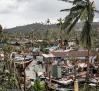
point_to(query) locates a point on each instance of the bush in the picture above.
(46, 51)
(1, 72)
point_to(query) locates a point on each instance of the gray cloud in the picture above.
(5, 11)
(20, 12)
(23, 1)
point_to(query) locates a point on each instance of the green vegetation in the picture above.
(37, 86)
(1, 29)
(9, 78)
(4, 37)
(42, 41)
(90, 88)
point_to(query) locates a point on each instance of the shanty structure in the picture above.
(83, 55)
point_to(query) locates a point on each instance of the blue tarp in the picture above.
(27, 84)
(48, 48)
(22, 59)
(52, 63)
(32, 78)
(86, 57)
(64, 89)
(58, 58)
(36, 49)
(63, 69)
(42, 78)
(54, 47)
(2, 44)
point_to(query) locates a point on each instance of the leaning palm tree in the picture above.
(85, 11)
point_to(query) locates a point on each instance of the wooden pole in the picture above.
(76, 86)
(14, 69)
(24, 74)
(87, 74)
(32, 38)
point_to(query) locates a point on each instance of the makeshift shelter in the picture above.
(32, 67)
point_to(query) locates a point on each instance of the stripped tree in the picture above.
(59, 24)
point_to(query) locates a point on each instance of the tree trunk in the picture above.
(32, 38)
(14, 69)
(32, 44)
(24, 75)
(24, 81)
(10, 65)
(9, 74)
(87, 74)
(75, 72)
(61, 34)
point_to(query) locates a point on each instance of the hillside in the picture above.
(28, 28)
(42, 27)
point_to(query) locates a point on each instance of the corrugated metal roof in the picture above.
(73, 53)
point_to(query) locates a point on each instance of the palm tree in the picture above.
(60, 20)
(85, 11)
(48, 22)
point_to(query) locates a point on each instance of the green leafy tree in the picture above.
(3, 35)
(85, 11)
(7, 51)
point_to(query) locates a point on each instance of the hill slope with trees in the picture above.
(42, 27)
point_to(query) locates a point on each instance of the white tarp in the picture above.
(2, 55)
(82, 65)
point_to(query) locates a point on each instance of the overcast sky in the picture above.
(21, 12)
